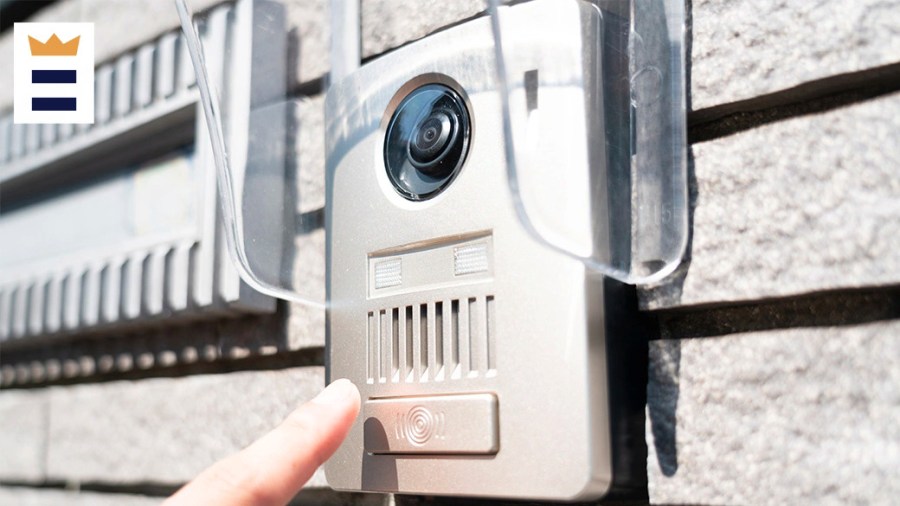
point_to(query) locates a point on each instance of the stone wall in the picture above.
(776, 377)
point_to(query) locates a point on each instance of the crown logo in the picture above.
(53, 46)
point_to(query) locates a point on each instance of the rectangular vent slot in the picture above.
(433, 341)
(395, 343)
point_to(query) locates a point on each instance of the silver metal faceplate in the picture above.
(479, 353)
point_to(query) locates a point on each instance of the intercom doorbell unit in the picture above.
(484, 187)
(480, 353)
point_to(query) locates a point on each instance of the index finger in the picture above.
(274, 468)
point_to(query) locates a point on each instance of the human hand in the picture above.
(273, 469)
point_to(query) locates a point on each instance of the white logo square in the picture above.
(53, 73)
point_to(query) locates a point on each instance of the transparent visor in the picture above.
(584, 100)
(270, 194)
(594, 132)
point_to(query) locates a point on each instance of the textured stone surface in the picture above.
(308, 39)
(21, 496)
(167, 430)
(387, 24)
(783, 417)
(801, 205)
(309, 154)
(23, 433)
(306, 249)
(306, 322)
(746, 48)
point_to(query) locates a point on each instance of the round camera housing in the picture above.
(426, 141)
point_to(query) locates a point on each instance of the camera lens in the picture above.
(430, 141)
(427, 141)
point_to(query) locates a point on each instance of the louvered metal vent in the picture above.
(143, 241)
(433, 341)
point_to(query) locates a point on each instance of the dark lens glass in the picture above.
(427, 141)
(431, 142)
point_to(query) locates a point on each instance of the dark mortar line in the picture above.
(306, 357)
(847, 307)
(161, 490)
(310, 221)
(139, 488)
(805, 99)
(309, 89)
(144, 489)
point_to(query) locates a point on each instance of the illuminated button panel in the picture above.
(440, 424)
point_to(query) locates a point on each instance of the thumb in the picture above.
(273, 469)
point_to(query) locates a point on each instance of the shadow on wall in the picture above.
(665, 359)
(665, 355)
(662, 402)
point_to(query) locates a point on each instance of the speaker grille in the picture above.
(432, 341)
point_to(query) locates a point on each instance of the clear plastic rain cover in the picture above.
(270, 198)
(610, 189)
(628, 180)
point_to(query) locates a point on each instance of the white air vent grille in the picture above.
(143, 240)
(433, 341)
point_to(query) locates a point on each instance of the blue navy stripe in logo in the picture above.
(52, 76)
(53, 104)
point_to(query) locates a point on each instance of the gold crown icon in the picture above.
(53, 46)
